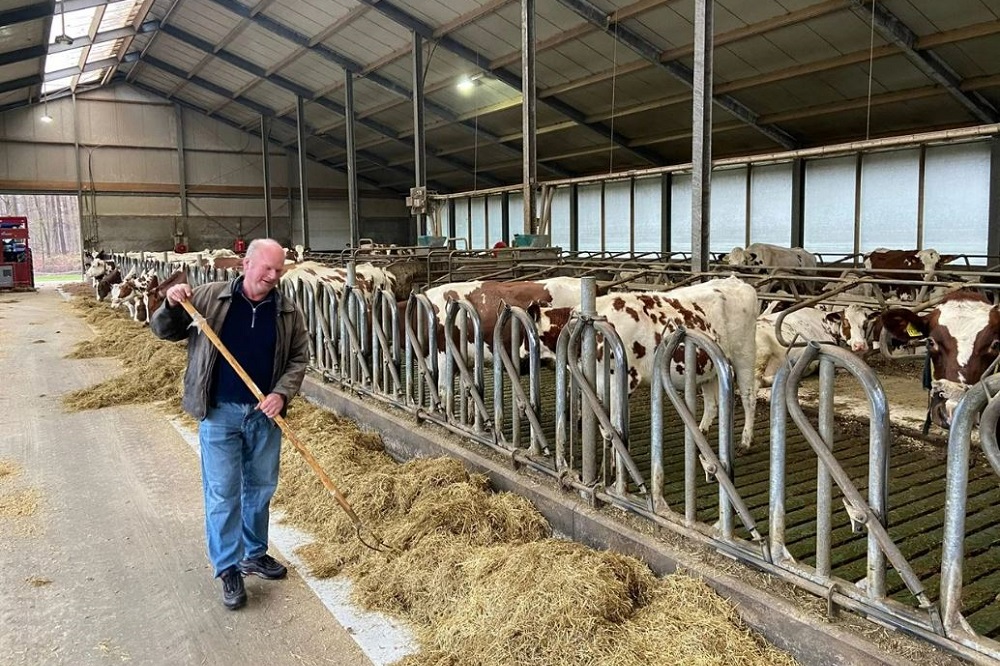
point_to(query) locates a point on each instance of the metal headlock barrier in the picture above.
(437, 366)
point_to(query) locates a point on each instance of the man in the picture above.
(240, 443)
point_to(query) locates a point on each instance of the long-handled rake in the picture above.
(372, 541)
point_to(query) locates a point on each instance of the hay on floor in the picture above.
(8, 469)
(476, 573)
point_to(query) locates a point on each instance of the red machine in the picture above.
(16, 268)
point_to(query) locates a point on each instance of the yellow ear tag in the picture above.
(912, 331)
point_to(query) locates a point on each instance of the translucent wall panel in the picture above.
(560, 218)
(829, 205)
(771, 204)
(617, 214)
(589, 207)
(648, 209)
(890, 193)
(956, 198)
(729, 210)
(680, 213)
(477, 238)
(515, 204)
(463, 227)
(494, 231)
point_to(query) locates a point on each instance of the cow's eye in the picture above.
(931, 344)
(995, 346)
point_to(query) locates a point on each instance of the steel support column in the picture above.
(993, 235)
(419, 142)
(798, 202)
(505, 217)
(574, 218)
(666, 210)
(529, 129)
(180, 229)
(858, 171)
(352, 159)
(701, 137)
(300, 127)
(265, 155)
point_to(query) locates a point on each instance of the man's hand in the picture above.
(178, 293)
(272, 404)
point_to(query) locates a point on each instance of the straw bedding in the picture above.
(476, 573)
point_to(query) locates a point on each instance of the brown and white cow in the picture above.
(912, 265)
(963, 339)
(724, 309)
(488, 298)
(368, 277)
(835, 325)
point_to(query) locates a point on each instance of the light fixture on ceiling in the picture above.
(46, 118)
(63, 38)
(467, 83)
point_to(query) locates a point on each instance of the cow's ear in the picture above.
(753, 256)
(835, 317)
(905, 325)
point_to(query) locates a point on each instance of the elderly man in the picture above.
(240, 443)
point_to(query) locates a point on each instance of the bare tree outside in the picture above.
(53, 226)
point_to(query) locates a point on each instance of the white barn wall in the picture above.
(129, 172)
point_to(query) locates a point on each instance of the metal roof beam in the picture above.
(20, 55)
(291, 86)
(89, 67)
(406, 20)
(928, 62)
(17, 84)
(106, 36)
(681, 72)
(311, 44)
(257, 108)
(27, 13)
(235, 125)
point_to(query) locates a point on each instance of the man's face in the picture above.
(262, 270)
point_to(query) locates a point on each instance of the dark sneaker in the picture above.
(234, 595)
(264, 566)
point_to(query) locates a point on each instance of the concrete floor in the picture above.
(118, 532)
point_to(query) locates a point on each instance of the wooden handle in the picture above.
(207, 331)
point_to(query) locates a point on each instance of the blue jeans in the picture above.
(240, 453)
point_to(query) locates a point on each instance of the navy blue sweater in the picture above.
(249, 332)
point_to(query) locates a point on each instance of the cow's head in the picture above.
(549, 322)
(852, 325)
(740, 257)
(963, 339)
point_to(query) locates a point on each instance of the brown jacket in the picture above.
(291, 348)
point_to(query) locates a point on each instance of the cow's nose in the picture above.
(859, 347)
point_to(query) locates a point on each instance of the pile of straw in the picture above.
(476, 573)
(17, 505)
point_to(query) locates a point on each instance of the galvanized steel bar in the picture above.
(701, 135)
(303, 162)
(588, 354)
(777, 485)
(824, 484)
(504, 365)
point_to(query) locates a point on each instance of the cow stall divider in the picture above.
(716, 465)
(981, 402)
(866, 515)
(584, 444)
(355, 350)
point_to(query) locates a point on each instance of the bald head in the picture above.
(257, 244)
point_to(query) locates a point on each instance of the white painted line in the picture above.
(383, 639)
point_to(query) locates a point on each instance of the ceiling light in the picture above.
(63, 38)
(467, 83)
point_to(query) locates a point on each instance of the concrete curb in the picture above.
(781, 622)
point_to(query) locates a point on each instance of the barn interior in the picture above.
(850, 146)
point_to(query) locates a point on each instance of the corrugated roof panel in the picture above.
(204, 19)
(103, 50)
(438, 12)
(224, 74)
(976, 57)
(57, 61)
(312, 71)
(270, 95)
(119, 14)
(57, 84)
(77, 24)
(369, 38)
(261, 47)
(175, 52)
(309, 17)
(939, 16)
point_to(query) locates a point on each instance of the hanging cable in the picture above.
(614, 75)
(871, 63)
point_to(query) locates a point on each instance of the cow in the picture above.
(822, 323)
(963, 340)
(724, 309)
(488, 298)
(368, 277)
(912, 265)
(762, 257)
(106, 282)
